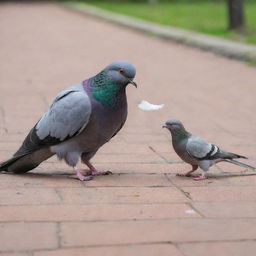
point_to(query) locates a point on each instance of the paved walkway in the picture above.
(143, 209)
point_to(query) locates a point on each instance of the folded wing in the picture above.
(67, 117)
(201, 149)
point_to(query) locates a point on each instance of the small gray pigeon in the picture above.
(198, 152)
(80, 120)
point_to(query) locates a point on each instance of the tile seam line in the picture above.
(187, 195)
(190, 203)
(130, 220)
(125, 203)
(138, 186)
(131, 244)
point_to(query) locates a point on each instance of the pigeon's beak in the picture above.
(164, 126)
(133, 83)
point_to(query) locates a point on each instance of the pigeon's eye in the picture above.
(121, 71)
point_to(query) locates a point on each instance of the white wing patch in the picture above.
(215, 150)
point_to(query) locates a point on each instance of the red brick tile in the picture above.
(171, 157)
(129, 250)
(21, 196)
(183, 167)
(9, 146)
(37, 179)
(243, 248)
(139, 168)
(124, 148)
(133, 180)
(214, 180)
(145, 138)
(22, 127)
(96, 212)
(4, 155)
(127, 158)
(13, 254)
(249, 180)
(164, 146)
(178, 230)
(103, 216)
(2, 129)
(53, 166)
(12, 137)
(227, 209)
(222, 193)
(22, 236)
(228, 167)
(122, 195)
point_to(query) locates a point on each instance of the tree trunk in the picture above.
(236, 14)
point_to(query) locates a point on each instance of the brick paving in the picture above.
(143, 208)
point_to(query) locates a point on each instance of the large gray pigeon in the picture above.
(80, 120)
(198, 152)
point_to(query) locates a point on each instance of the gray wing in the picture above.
(201, 149)
(67, 116)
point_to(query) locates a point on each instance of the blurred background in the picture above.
(230, 19)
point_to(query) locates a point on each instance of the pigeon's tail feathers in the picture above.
(18, 165)
(4, 165)
(238, 156)
(26, 162)
(240, 164)
(228, 155)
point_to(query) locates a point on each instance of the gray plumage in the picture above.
(69, 112)
(80, 120)
(198, 152)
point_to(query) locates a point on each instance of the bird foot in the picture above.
(200, 178)
(98, 172)
(93, 171)
(187, 174)
(82, 177)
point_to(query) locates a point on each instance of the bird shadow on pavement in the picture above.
(67, 175)
(59, 175)
(221, 175)
(33, 175)
(229, 174)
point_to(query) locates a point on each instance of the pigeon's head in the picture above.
(173, 125)
(121, 73)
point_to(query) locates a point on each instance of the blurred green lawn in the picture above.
(205, 16)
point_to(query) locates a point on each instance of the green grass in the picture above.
(205, 16)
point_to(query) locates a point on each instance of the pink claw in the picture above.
(94, 171)
(81, 176)
(200, 178)
(184, 174)
(98, 172)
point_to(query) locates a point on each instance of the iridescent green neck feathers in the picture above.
(104, 90)
(179, 135)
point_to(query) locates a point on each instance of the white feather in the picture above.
(190, 211)
(146, 106)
